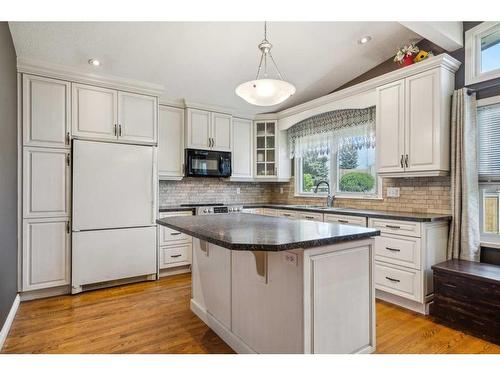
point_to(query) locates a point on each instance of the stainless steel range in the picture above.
(215, 208)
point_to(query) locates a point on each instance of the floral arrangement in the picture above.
(404, 56)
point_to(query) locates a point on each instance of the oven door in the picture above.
(203, 163)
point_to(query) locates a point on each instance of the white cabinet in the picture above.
(358, 221)
(242, 164)
(271, 159)
(46, 175)
(174, 247)
(137, 117)
(208, 130)
(221, 132)
(171, 143)
(105, 114)
(46, 253)
(46, 112)
(94, 112)
(413, 130)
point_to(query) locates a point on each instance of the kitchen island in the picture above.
(275, 285)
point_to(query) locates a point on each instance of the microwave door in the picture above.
(203, 165)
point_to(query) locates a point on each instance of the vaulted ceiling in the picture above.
(204, 61)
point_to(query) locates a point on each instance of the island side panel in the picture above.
(267, 308)
(339, 298)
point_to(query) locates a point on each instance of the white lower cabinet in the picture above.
(270, 212)
(359, 221)
(174, 248)
(404, 254)
(288, 213)
(314, 216)
(46, 253)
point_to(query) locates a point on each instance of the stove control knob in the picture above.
(230, 209)
(238, 209)
(205, 211)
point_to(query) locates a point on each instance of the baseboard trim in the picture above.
(10, 319)
(421, 308)
(45, 293)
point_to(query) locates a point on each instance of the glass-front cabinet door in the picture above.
(266, 149)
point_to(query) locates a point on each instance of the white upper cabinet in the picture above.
(170, 143)
(46, 187)
(104, 114)
(137, 117)
(413, 125)
(390, 127)
(46, 112)
(242, 164)
(221, 132)
(208, 130)
(94, 112)
(46, 253)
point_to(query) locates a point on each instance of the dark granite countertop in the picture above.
(264, 233)
(391, 215)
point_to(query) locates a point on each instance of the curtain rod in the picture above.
(491, 85)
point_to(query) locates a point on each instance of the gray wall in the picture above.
(8, 172)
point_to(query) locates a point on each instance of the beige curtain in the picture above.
(464, 237)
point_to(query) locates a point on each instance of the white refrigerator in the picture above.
(114, 212)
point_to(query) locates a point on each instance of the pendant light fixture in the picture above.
(265, 91)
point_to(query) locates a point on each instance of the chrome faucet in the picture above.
(330, 198)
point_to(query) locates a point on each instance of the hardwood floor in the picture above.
(154, 317)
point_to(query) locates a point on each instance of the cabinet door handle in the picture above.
(175, 233)
(120, 130)
(391, 279)
(401, 161)
(68, 228)
(67, 139)
(114, 129)
(406, 161)
(392, 226)
(175, 256)
(68, 160)
(392, 249)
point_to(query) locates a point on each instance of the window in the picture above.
(482, 52)
(488, 120)
(350, 171)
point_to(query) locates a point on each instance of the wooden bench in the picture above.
(467, 297)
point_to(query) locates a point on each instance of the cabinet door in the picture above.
(198, 129)
(171, 143)
(390, 127)
(137, 117)
(422, 122)
(46, 253)
(221, 132)
(94, 112)
(242, 155)
(46, 112)
(266, 156)
(46, 174)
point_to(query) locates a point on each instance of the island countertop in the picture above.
(264, 233)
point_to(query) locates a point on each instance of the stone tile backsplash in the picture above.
(422, 194)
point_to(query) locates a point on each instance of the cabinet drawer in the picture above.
(289, 214)
(404, 251)
(311, 216)
(359, 221)
(406, 228)
(400, 281)
(171, 256)
(257, 211)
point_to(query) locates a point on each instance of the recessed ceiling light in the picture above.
(364, 39)
(94, 62)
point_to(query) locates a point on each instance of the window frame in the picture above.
(487, 239)
(473, 37)
(333, 177)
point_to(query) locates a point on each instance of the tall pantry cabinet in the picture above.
(46, 175)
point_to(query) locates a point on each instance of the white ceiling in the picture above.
(204, 61)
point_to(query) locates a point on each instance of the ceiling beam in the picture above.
(446, 34)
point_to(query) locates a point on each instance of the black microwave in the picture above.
(205, 163)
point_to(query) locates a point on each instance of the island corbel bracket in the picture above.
(261, 264)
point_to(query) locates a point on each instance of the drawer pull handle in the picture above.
(175, 233)
(175, 256)
(343, 221)
(391, 279)
(392, 249)
(309, 217)
(393, 226)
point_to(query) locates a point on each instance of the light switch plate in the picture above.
(393, 192)
(238, 190)
(290, 258)
(281, 190)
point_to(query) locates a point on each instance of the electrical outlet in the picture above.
(393, 192)
(281, 190)
(290, 258)
(238, 190)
